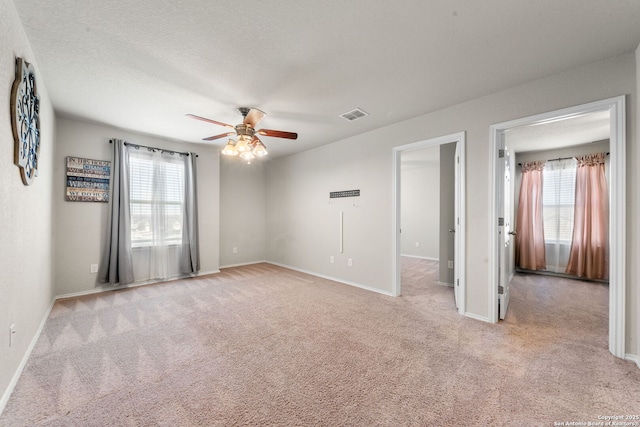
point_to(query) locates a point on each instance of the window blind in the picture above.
(156, 199)
(558, 198)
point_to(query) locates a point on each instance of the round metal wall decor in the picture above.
(25, 106)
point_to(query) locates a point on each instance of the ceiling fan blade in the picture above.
(253, 117)
(204, 119)
(222, 135)
(277, 133)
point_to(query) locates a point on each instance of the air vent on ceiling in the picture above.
(354, 114)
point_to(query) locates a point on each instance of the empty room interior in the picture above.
(319, 213)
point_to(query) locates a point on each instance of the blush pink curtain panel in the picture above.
(530, 251)
(589, 256)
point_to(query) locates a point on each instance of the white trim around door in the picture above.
(617, 209)
(460, 247)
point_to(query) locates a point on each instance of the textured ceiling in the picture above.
(142, 65)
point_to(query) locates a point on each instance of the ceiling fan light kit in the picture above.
(230, 149)
(259, 149)
(243, 145)
(248, 146)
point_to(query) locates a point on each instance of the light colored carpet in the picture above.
(263, 345)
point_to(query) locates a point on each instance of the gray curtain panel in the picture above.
(190, 254)
(115, 264)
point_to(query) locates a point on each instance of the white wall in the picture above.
(26, 236)
(242, 211)
(80, 226)
(302, 230)
(303, 223)
(420, 204)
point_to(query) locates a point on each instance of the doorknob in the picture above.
(513, 232)
(452, 230)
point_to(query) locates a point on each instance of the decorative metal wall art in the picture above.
(25, 106)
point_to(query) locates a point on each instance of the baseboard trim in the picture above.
(420, 257)
(242, 264)
(476, 317)
(97, 290)
(25, 358)
(206, 273)
(633, 358)
(334, 279)
(450, 285)
(108, 288)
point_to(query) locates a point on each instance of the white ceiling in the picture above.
(142, 65)
(559, 133)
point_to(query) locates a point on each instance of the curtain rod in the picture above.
(155, 148)
(559, 158)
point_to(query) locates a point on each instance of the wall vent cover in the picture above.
(355, 114)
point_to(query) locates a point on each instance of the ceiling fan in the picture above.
(248, 145)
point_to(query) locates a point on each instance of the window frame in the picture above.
(564, 198)
(139, 157)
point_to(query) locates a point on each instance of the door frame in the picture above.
(460, 247)
(617, 209)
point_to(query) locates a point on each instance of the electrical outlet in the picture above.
(235, 249)
(350, 262)
(450, 264)
(417, 244)
(332, 259)
(12, 332)
(94, 268)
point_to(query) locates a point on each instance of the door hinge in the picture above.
(500, 290)
(458, 159)
(500, 221)
(458, 282)
(500, 153)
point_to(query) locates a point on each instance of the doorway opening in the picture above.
(554, 148)
(452, 147)
(498, 280)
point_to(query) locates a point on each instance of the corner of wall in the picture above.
(26, 247)
(245, 244)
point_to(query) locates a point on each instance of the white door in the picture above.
(458, 235)
(504, 227)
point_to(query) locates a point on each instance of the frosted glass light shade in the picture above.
(259, 149)
(230, 149)
(243, 144)
(247, 155)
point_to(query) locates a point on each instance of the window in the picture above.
(156, 198)
(558, 198)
